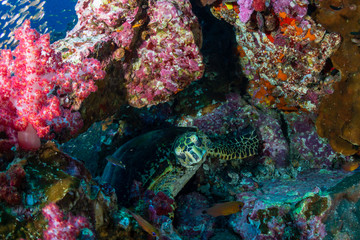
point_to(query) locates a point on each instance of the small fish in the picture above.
(356, 41)
(42, 26)
(12, 8)
(23, 2)
(24, 9)
(38, 15)
(21, 20)
(2, 35)
(12, 20)
(41, 5)
(150, 229)
(224, 209)
(336, 8)
(5, 16)
(229, 6)
(351, 166)
(11, 39)
(6, 24)
(34, 3)
(139, 23)
(115, 161)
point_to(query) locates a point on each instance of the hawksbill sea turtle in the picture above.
(166, 159)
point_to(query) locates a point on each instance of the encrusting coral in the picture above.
(282, 52)
(339, 113)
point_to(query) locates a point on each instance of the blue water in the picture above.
(54, 17)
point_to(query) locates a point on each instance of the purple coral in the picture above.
(228, 117)
(292, 9)
(275, 144)
(311, 229)
(169, 59)
(246, 9)
(235, 115)
(305, 142)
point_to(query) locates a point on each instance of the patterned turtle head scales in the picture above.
(190, 149)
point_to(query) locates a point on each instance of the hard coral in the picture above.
(286, 49)
(339, 114)
(98, 24)
(169, 59)
(285, 209)
(107, 30)
(259, 5)
(10, 182)
(306, 145)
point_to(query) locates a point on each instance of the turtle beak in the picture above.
(195, 155)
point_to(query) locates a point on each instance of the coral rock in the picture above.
(339, 113)
(169, 59)
(283, 64)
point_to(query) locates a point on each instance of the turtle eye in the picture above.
(178, 150)
(193, 138)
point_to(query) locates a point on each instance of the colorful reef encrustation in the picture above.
(179, 119)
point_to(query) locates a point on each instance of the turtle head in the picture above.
(189, 149)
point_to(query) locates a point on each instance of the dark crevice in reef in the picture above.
(223, 72)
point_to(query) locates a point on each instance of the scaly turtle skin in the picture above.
(190, 147)
(147, 159)
(165, 160)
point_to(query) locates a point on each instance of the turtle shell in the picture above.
(148, 159)
(166, 159)
(190, 153)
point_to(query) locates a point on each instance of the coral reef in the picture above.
(300, 208)
(306, 144)
(169, 59)
(10, 184)
(195, 225)
(60, 228)
(339, 112)
(282, 52)
(52, 177)
(345, 205)
(157, 54)
(100, 22)
(281, 210)
(39, 93)
(105, 31)
(175, 170)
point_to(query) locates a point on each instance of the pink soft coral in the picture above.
(39, 90)
(60, 228)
